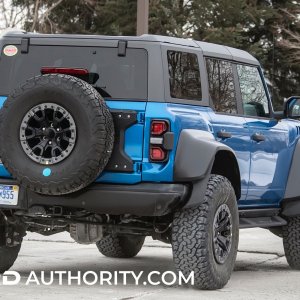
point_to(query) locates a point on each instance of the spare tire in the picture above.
(56, 134)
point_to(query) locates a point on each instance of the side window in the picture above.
(221, 85)
(184, 75)
(255, 101)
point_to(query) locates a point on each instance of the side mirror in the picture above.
(292, 107)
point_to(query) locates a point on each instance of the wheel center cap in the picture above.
(50, 133)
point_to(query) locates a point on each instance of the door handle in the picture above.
(224, 134)
(257, 137)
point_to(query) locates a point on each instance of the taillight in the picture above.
(161, 141)
(157, 154)
(66, 71)
(158, 127)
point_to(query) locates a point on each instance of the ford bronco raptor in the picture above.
(113, 139)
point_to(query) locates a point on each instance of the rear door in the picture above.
(228, 124)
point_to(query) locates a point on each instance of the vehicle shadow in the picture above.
(150, 259)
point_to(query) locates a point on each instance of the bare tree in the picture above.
(11, 16)
(33, 15)
(41, 20)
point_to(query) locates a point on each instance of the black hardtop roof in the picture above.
(209, 49)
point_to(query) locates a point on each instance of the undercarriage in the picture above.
(84, 227)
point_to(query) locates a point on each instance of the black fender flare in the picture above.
(291, 200)
(194, 161)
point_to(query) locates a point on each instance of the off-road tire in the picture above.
(192, 237)
(8, 256)
(120, 246)
(94, 134)
(277, 231)
(291, 242)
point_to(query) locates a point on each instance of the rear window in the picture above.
(119, 77)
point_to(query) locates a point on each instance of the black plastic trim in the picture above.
(193, 144)
(263, 218)
(259, 212)
(119, 160)
(291, 207)
(189, 168)
(2, 234)
(168, 141)
(292, 190)
(122, 46)
(24, 45)
(144, 199)
(262, 222)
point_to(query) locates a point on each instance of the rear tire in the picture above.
(291, 242)
(120, 246)
(197, 232)
(8, 256)
(277, 231)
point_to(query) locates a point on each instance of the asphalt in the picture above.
(261, 271)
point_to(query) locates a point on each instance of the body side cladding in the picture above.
(291, 207)
(293, 187)
(291, 201)
(198, 155)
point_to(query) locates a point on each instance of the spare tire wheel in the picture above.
(56, 134)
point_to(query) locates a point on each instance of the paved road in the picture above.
(261, 271)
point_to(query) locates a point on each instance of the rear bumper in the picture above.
(144, 199)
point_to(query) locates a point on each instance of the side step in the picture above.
(263, 218)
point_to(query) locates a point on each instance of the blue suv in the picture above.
(113, 139)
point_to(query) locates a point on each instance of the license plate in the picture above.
(9, 194)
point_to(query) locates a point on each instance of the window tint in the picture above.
(255, 101)
(184, 75)
(119, 77)
(221, 85)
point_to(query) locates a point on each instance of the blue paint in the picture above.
(264, 167)
(131, 105)
(47, 172)
(2, 100)
(240, 141)
(3, 172)
(120, 178)
(132, 148)
(180, 116)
